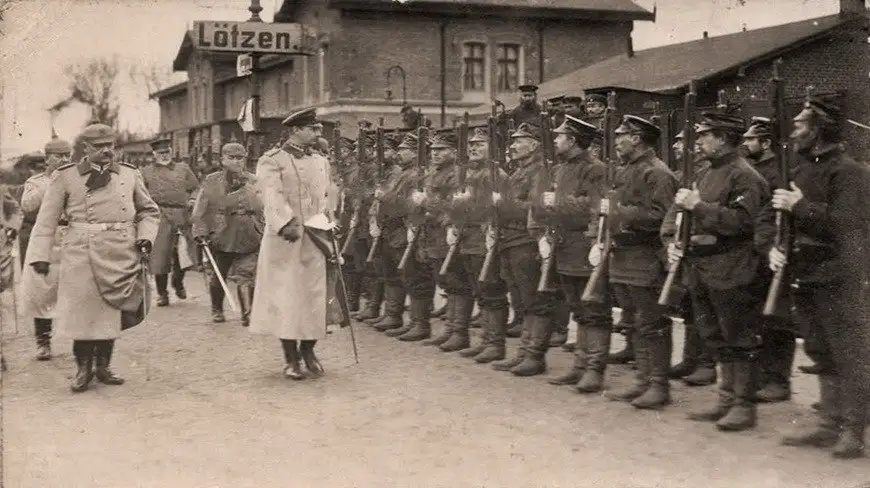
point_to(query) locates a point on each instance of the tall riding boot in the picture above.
(312, 364)
(850, 444)
(517, 325)
(742, 415)
(726, 397)
(373, 304)
(641, 382)
(477, 319)
(449, 317)
(525, 339)
(777, 357)
(626, 355)
(495, 326)
(825, 430)
(597, 345)
(561, 319)
(42, 329)
(441, 312)
(353, 282)
(459, 338)
(692, 344)
(103, 352)
(161, 281)
(246, 298)
(657, 352)
(178, 282)
(472, 351)
(83, 351)
(404, 328)
(216, 293)
(573, 376)
(421, 328)
(535, 363)
(394, 308)
(293, 366)
(705, 373)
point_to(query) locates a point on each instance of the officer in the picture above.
(556, 109)
(40, 300)
(596, 104)
(643, 192)
(112, 222)
(30, 165)
(777, 333)
(228, 218)
(722, 266)
(829, 266)
(173, 186)
(529, 110)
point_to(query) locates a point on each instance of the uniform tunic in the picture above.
(290, 297)
(172, 186)
(11, 218)
(99, 266)
(393, 209)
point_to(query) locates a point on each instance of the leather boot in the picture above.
(515, 327)
(293, 366)
(42, 328)
(476, 321)
(246, 298)
(473, 351)
(495, 326)
(561, 319)
(312, 364)
(597, 345)
(534, 362)
(742, 415)
(420, 326)
(657, 356)
(855, 411)
(394, 308)
(216, 294)
(353, 284)
(626, 322)
(705, 374)
(726, 398)
(626, 355)
(825, 430)
(83, 351)
(440, 312)
(641, 382)
(575, 374)
(103, 352)
(508, 364)
(161, 281)
(463, 307)
(373, 305)
(777, 357)
(448, 319)
(692, 344)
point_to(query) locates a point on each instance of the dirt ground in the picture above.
(205, 405)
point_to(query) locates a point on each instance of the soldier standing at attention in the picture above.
(529, 110)
(112, 221)
(172, 185)
(41, 298)
(228, 217)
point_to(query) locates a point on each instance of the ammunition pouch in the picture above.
(629, 238)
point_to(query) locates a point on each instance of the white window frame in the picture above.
(480, 96)
(521, 65)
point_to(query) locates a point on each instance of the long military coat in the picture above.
(290, 297)
(10, 218)
(172, 187)
(100, 267)
(40, 292)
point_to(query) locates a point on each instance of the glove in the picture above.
(594, 256)
(776, 259)
(452, 236)
(496, 198)
(374, 228)
(674, 253)
(491, 236)
(410, 234)
(292, 232)
(143, 245)
(549, 199)
(604, 206)
(418, 197)
(545, 247)
(462, 196)
(41, 267)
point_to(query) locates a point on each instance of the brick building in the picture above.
(830, 54)
(454, 55)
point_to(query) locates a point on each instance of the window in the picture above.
(474, 66)
(508, 59)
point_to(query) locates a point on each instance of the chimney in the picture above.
(744, 27)
(852, 7)
(706, 35)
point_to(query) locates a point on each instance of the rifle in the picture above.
(497, 160)
(461, 171)
(422, 154)
(375, 209)
(360, 162)
(548, 151)
(684, 217)
(784, 239)
(595, 290)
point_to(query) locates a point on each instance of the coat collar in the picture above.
(646, 155)
(296, 151)
(84, 166)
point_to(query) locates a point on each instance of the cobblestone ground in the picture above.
(205, 405)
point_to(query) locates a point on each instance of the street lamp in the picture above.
(388, 91)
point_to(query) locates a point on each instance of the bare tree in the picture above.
(93, 83)
(153, 78)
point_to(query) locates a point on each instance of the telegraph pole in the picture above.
(254, 81)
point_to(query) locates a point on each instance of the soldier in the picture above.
(777, 332)
(529, 110)
(112, 221)
(40, 300)
(228, 218)
(643, 192)
(291, 293)
(722, 266)
(556, 109)
(173, 186)
(596, 104)
(828, 265)
(518, 254)
(31, 164)
(579, 184)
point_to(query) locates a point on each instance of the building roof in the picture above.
(615, 10)
(169, 90)
(671, 67)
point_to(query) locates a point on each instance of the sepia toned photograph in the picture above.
(434, 243)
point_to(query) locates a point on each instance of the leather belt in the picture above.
(101, 225)
(171, 205)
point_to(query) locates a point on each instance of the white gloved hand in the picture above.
(674, 253)
(549, 199)
(545, 247)
(595, 254)
(496, 198)
(418, 197)
(776, 259)
(604, 207)
(491, 236)
(452, 236)
(410, 234)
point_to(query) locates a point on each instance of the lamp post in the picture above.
(255, 10)
(388, 92)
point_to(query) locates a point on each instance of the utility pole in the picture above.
(254, 81)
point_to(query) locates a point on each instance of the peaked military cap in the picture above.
(480, 134)
(558, 100)
(234, 149)
(596, 97)
(824, 109)
(759, 127)
(528, 88)
(719, 121)
(572, 100)
(527, 130)
(98, 134)
(444, 139)
(57, 146)
(576, 127)
(302, 118)
(410, 141)
(632, 124)
(160, 144)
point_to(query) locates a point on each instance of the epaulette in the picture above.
(273, 152)
(129, 165)
(66, 166)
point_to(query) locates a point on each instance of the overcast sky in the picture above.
(40, 36)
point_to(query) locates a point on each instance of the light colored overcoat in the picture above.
(39, 293)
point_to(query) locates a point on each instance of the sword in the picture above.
(146, 305)
(345, 312)
(14, 265)
(220, 278)
(858, 124)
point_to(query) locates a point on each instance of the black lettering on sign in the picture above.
(265, 40)
(282, 41)
(234, 32)
(202, 40)
(221, 38)
(248, 37)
